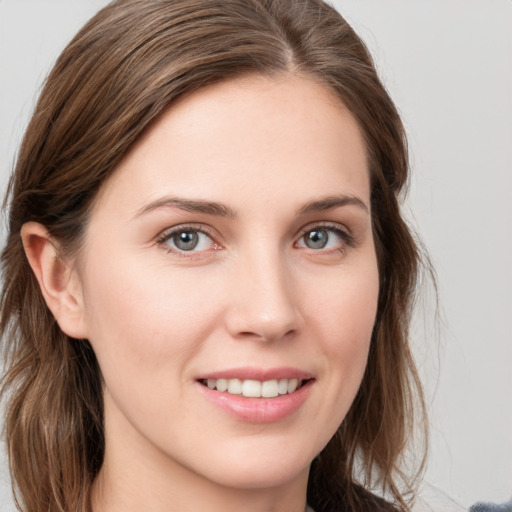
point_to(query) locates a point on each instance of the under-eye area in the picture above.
(251, 388)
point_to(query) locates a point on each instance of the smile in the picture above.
(251, 388)
(257, 396)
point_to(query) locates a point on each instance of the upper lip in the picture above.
(261, 374)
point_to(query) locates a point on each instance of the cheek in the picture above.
(346, 309)
(344, 316)
(141, 317)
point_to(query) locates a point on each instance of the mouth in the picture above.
(257, 395)
(250, 388)
(257, 401)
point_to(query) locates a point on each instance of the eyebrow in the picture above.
(222, 210)
(189, 205)
(328, 203)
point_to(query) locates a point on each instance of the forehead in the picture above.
(266, 135)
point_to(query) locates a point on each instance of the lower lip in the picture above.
(258, 410)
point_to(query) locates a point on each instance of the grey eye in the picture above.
(185, 240)
(316, 238)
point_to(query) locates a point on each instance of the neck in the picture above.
(139, 487)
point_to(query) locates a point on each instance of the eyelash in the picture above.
(163, 239)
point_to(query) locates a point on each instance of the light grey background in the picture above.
(448, 65)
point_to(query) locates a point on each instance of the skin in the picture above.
(251, 294)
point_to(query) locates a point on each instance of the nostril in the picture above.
(267, 335)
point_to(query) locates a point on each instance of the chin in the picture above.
(252, 476)
(261, 467)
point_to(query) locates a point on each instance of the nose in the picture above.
(263, 304)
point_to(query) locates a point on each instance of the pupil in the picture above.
(186, 240)
(317, 239)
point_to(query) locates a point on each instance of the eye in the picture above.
(187, 239)
(324, 237)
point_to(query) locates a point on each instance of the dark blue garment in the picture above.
(491, 507)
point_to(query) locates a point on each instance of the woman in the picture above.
(207, 279)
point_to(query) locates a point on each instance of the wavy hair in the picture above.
(121, 71)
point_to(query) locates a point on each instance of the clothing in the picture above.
(492, 507)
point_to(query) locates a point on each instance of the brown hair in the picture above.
(121, 71)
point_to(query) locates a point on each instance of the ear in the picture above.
(58, 281)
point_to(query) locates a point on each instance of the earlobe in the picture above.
(58, 282)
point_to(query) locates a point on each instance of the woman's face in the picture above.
(233, 248)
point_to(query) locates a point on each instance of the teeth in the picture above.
(251, 388)
(234, 386)
(255, 388)
(292, 385)
(222, 385)
(282, 387)
(269, 389)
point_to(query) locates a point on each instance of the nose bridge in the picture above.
(263, 304)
